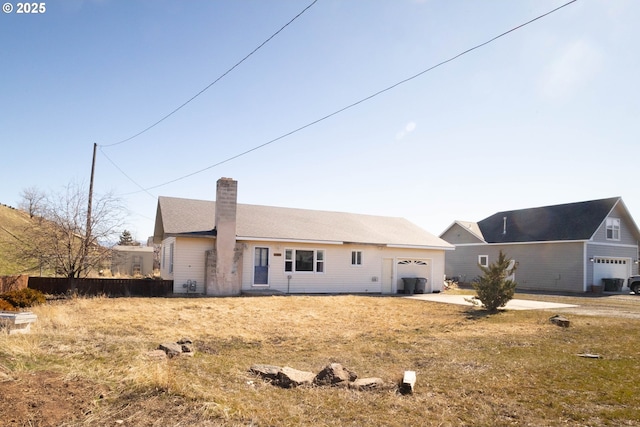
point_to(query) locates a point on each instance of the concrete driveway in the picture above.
(514, 304)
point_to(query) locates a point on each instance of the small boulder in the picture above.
(172, 349)
(289, 378)
(187, 346)
(560, 321)
(268, 372)
(335, 375)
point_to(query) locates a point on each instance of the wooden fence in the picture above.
(107, 287)
(13, 283)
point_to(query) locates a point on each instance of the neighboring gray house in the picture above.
(565, 247)
(225, 248)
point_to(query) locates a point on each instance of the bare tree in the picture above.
(61, 240)
(32, 200)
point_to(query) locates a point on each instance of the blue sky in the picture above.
(545, 115)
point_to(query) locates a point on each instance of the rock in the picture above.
(289, 377)
(590, 356)
(187, 346)
(367, 384)
(172, 349)
(560, 321)
(268, 372)
(334, 374)
(284, 377)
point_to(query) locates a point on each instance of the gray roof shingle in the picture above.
(176, 216)
(571, 221)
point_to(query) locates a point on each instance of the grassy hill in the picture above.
(13, 225)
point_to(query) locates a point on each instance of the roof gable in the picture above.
(571, 221)
(177, 216)
(461, 232)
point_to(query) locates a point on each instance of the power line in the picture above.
(380, 92)
(127, 176)
(213, 82)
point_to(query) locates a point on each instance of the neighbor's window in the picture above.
(304, 260)
(356, 257)
(613, 229)
(483, 260)
(171, 258)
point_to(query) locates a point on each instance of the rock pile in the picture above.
(333, 375)
(183, 347)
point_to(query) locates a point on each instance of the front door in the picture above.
(261, 266)
(387, 276)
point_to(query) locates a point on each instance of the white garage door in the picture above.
(414, 268)
(614, 268)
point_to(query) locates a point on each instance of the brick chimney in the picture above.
(224, 263)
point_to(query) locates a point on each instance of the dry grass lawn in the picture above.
(513, 368)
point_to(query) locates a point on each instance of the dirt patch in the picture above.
(45, 399)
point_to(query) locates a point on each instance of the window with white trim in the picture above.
(171, 258)
(304, 260)
(613, 229)
(483, 260)
(356, 257)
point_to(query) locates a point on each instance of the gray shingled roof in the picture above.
(176, 216)
(571, 221)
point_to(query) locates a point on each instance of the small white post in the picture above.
(409, 381)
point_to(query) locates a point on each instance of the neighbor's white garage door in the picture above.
(615, 268)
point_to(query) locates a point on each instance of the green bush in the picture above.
(23, 298)
(494, 289)
(6, 306)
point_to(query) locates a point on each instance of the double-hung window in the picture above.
(304, 260)
(356, 257)
(613, 229)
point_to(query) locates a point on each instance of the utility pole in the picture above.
(87, 239)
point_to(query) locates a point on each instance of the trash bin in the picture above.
(619, 284)
(409, 285)
(421, 285)
(609, 285)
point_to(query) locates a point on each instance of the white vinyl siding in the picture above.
(339, 276)
(189, 262)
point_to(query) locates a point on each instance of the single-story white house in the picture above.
(222, 248)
